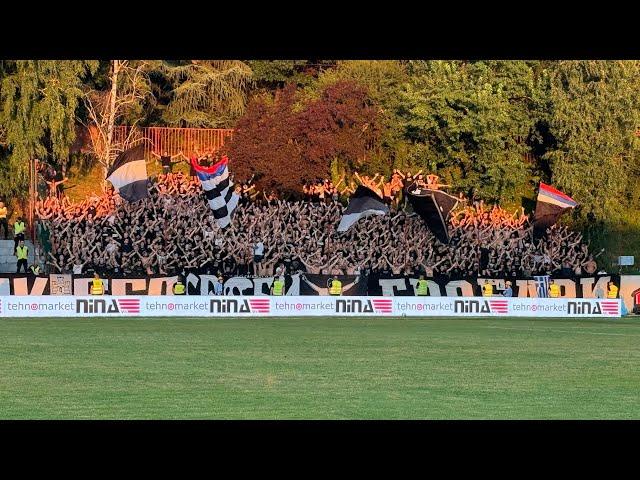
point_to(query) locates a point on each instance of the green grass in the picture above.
(297, 368)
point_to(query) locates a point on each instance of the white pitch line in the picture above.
(566, 331)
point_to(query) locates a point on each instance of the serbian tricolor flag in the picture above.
(218, 189)
(128, 174)
(550, 205)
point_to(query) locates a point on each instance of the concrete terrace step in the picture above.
(8, 261)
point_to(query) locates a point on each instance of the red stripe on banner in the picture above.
(212, 168)
(548, 188)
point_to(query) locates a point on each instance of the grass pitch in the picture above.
(323, 368)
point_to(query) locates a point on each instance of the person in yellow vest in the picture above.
(18, 232)
(277, 288)
(179, 288)
(487, 289)
(612, 290)
(34, 269)
(422, 288)
(336, 287)
(3, 219)
(22, 252)
(554, 290)
(97, 285)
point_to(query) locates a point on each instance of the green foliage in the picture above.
(38, 102)
(206, 93)
(383, 80)
(593, 113)
(272, 74)
(470, 120)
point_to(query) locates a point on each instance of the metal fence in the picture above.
(174, 140)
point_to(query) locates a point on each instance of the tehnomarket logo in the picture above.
(378, 305)
(480, 306)
(99, 305)
(231, 305)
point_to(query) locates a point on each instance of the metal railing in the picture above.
(174, 140)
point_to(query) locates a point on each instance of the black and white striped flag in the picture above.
(218, 189)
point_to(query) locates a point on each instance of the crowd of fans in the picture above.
(173, 231)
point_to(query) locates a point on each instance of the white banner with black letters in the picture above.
(303, 306)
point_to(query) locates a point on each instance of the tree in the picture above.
(277, 133)
(128, 86)
(469, 121)
(269, 75)
(383, 81)
(39, 99)
(206, 93)
(593, 112)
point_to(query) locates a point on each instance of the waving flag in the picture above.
(363, 202)
(218, 189)
(128, 174)
(550, 205)
(434, 206)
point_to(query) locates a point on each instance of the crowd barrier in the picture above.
(303, 306)
(304, 284)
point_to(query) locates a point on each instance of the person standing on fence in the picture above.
(3, 220)
(22, 252)
(166, 160)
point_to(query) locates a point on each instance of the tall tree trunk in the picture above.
(112, 117)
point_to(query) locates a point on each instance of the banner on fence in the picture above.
(302, 306)
(314, 285)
